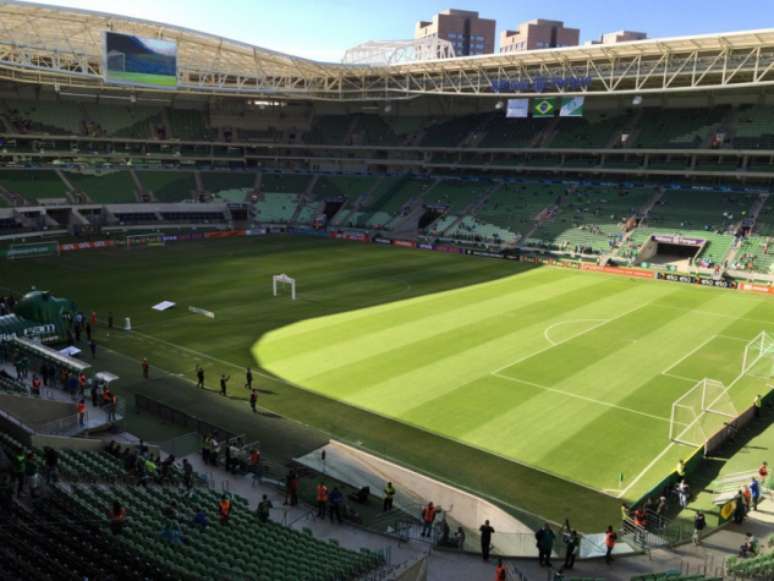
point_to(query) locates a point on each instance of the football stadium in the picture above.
(268, 317)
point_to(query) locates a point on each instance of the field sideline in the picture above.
(570, 374)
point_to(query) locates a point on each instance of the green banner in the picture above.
(572, 107)
(543, 108)
(32, 249)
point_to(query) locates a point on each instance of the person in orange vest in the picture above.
(145, 368)
(36, 385)
(500, 573)
(82, 380)
(322, 499)
(610, 539)
(94, 319)
(107, 396)
(428, 516)
(117, 517)
(81, 408)
(224, 509)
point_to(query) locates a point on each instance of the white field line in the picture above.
(583, 397)
(671, 444)
(691, 379)
(589, 330)
(547, 335)
(687, 355)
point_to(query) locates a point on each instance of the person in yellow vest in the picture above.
(680, 469)
(758, 404)
(389, 495)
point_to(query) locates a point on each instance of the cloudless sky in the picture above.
(324, 29)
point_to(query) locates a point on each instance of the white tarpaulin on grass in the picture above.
(70, 351)
(163, 306)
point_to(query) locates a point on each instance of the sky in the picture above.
(324, 29)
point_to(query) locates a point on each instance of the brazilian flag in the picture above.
(543, 108)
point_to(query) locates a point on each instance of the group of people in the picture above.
(223, 383)
(330, 502)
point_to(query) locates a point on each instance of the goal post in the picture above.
(144, 240)
(700, 413)
(757, 359)
(283, 279)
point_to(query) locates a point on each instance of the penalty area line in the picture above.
(582, 397)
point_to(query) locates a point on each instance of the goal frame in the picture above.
(705, 407)
(144, 240)
(764, 343)
(283, 279)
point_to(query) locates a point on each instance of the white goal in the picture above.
(279, 279)
(144, 240)
(700, 413)
(758, 360)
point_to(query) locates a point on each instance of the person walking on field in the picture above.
(200, 377)
(253, 400)
(145, 368)
(486, 531)
(249, 379)
(223, 384)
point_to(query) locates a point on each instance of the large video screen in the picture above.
(136, 60)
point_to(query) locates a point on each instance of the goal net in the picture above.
(758, 357)
(32, 250)
(278, 280)
(700, 413)
(144, 240)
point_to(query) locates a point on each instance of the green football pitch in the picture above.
(539, 377)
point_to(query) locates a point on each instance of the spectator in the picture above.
(750, 546)
(500, 573)
(610, 539)
(428, 516)
(682, 493)
(486, 531)
(699, 524)
(31, 473)
(117, 517)
(322, 499)
(747, 495)
(335, 504)
(200, 519)
(224, 509)
(50, 462)
(264, 507)
(81, 409)
(459, 538)
(291, 488)
(755, 493)
(389, 495)
(187, 475)
(545, 542)
(572, 546)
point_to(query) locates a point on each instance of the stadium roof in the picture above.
(64, 48)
